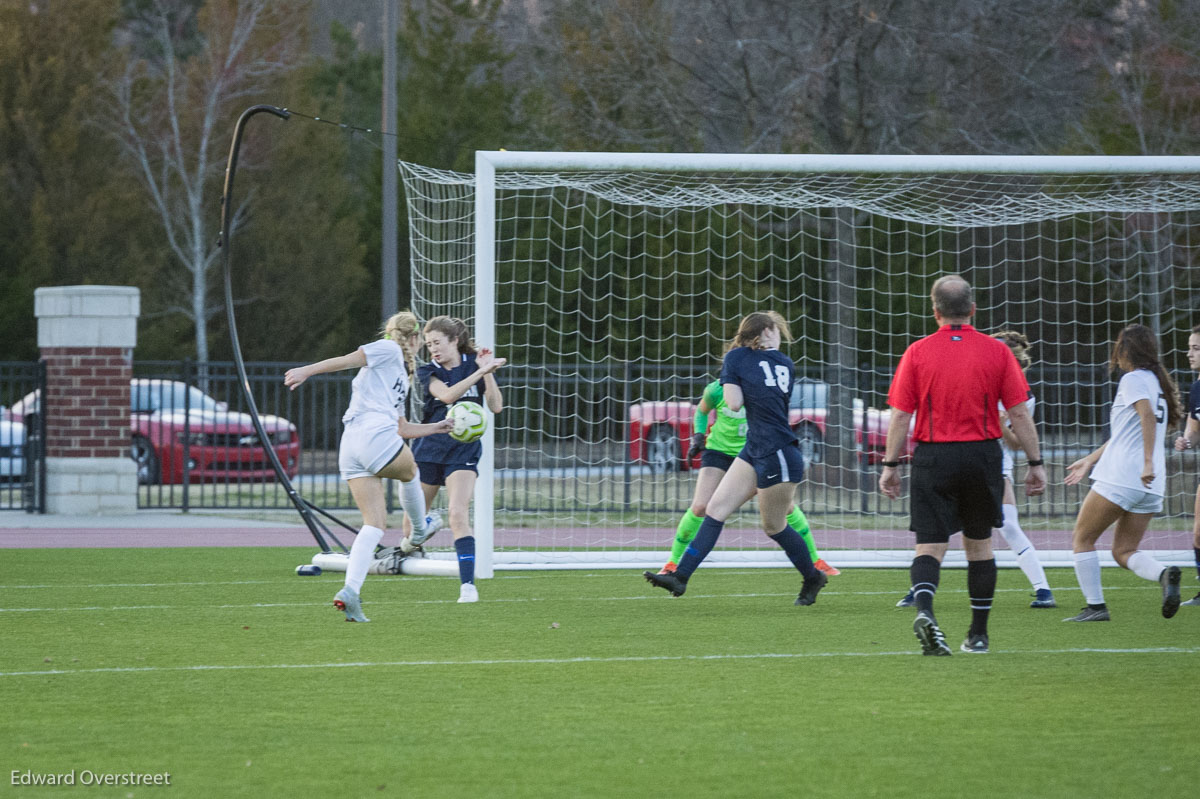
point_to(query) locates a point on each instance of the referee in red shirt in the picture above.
(953, 380)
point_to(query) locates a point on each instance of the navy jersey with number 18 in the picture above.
(765, 377)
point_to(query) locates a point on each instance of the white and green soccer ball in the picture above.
(469, 421)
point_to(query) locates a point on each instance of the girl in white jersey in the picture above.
(372, 445)
(1129, 474)
(1010, 531)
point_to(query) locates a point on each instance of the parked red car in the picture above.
(661, 432)
(172, 423)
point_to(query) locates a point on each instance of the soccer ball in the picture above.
(469, 421)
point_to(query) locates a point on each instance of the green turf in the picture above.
(576, 684)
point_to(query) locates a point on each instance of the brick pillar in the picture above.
(86, 335)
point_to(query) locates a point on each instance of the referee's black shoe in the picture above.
(811, 587)
(933, 642)
(669, 581)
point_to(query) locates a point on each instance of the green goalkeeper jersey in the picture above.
(728, 432)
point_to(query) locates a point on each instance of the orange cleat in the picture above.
(669, 568)
(825, 567)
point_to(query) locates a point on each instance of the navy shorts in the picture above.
(784, 465)
(956, 485)
(435, 474)
(711, 459)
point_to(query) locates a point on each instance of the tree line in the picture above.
(117, 116)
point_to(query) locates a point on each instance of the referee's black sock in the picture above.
(981, 586)
(924, 574)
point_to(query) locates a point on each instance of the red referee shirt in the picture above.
(952, 381)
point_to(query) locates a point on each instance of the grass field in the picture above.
(238, 678)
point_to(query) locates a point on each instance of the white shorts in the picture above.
(1007, 461)
(369, 443)
(1133, 500)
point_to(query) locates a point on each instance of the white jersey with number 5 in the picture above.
(382, 385)
(1121, 462)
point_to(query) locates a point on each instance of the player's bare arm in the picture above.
(1080, 468)
(354, 360)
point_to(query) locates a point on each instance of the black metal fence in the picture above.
(22, 437)
(562, 445)
(196, 445)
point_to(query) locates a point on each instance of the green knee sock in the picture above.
(684, 533)
(799, 523)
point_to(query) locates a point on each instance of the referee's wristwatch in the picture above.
(890, 464)
(1038, 462)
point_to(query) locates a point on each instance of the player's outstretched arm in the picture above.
(1080, 468)
(410, 430)
(296, 376)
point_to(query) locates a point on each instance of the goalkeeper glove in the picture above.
(697, 446)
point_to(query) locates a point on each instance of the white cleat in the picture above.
(433, 523)
(348, 601)
(468, 593)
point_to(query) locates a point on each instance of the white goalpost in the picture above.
(611, 282)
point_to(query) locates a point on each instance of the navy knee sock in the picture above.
(981, 586)
(797, 551)
(924, 574)
(698, 549)
(1197, 551)
(465, 547)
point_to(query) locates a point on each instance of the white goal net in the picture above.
(612, 282)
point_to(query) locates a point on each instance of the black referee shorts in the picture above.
(957, 485)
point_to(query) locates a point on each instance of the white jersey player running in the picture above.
(1128, 475)
(1010, 530)
(373, 447)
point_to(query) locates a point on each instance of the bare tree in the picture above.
(172, 108)
(1146, 101)
(822, 76)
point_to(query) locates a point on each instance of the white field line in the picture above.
(575, 660)
(657, 596)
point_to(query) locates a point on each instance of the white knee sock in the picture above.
(362, 552)
(1087, 572)
(412, 499)
(1022, 547)
(1144, 565)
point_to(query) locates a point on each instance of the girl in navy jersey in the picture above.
(757, 376)
(1129, 475)
(457, 373)
(372, 445)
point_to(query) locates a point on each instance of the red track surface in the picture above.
(231, 535)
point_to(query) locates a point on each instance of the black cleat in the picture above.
(1170, 586)
(933, 642)
(670, 582)
(1090, 613)
(811, 587)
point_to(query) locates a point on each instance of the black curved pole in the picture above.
(304, 507)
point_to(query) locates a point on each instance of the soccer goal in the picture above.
(612, 282)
